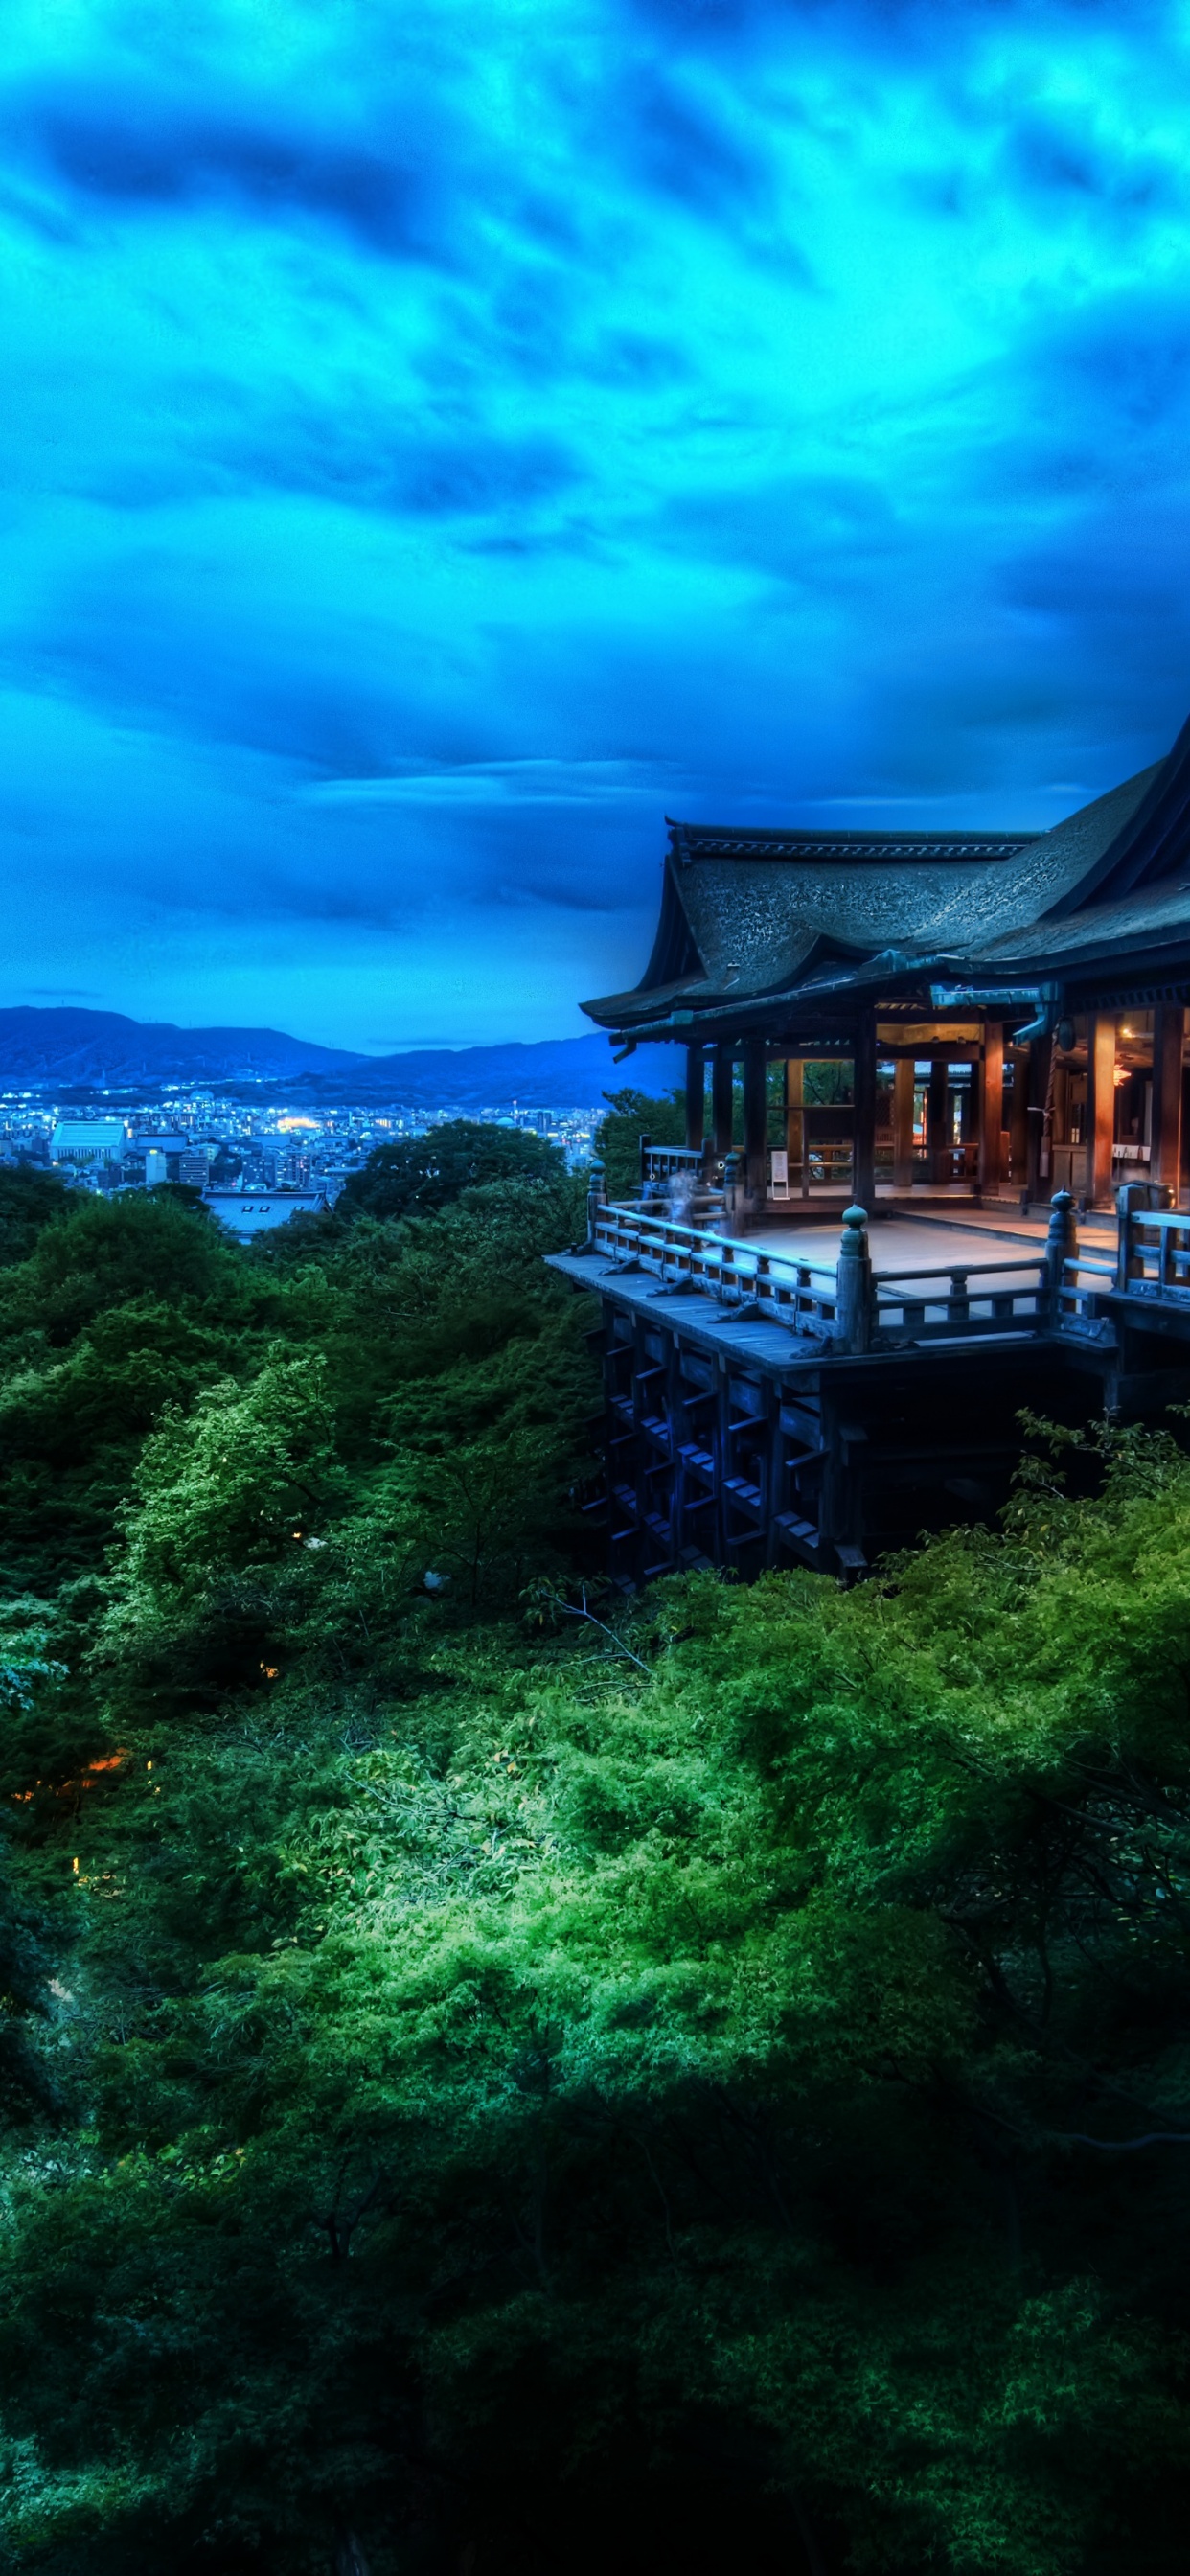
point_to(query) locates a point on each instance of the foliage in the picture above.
(29, 1200)
(631, 1115)
(419, 1174)
(828, 1083)
(531, 2080)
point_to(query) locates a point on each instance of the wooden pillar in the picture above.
(1165, 1164)
(795, 1085)
(695, 1099)
(1018, 1143)
(756, 1118)
(1101, 1106)
(1060, 1119)
(723, 1098)
(904, 1078)
(1041, 1155)
(936, 1131)
(863, 1152)
(990, 1075)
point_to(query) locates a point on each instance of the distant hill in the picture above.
(75, 1048)
(72, 1046)
(554, 1073)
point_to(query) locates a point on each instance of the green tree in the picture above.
(629, 1116)
(529, 2079)
(418, 1174)
(29, 1200)
(709, 2056)
(101, 1252)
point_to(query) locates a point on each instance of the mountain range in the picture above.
(73, 1049)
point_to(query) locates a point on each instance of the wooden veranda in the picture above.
(818, 1393)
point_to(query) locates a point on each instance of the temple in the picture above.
(1009, 1007)
(934, 1170)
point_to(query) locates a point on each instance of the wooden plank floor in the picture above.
(910, 1244)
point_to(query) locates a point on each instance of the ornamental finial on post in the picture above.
(853, 1283)
(1061, 1242)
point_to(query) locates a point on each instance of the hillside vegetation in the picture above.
(500, 2080)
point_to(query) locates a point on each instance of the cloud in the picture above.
(680, 145)
(494, 783)
(151, 153)
(435, 445)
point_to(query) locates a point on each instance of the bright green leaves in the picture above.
(245, 1478)
(620, 2032)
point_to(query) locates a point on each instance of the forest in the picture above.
(504, 2079)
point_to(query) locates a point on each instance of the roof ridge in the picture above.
(808, 841)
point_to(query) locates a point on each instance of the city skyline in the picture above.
(429, 461)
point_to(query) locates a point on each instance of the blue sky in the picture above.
(437, 441)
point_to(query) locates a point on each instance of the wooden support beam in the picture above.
(1018, 1142)
(723, 1097)
(1060, 1117)
(756, 1118)
(991, 1107)
(795, 1089)
(1040, 1111)
(904, 1076)
(863, 1165)
(695, 1099)
(937, 1132)
(1169, 1026)
(1101, 1106)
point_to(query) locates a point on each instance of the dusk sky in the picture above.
(438, 441)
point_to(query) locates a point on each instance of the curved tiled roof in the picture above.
(693, 841)
(748, 912)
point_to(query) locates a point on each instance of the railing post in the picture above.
(853, 1283)
(1128, 1197)
(596, 1196)
(645, 1174)
(1061, 1246)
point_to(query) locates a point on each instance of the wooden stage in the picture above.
(817, 1391)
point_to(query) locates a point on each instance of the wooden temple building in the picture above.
(982, 1039)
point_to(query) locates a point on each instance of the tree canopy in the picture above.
(418, 1174)
(499, 2077)
(629, 1116)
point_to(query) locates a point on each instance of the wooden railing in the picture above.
(1154, 1254)
(668, 1162)
(1082, 1285)
(976, 1297)
(763, 1287)
(851, 1308)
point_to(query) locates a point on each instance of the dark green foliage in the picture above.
(829, 1085)
(101, 1252)
(29, 1200)
(541, 2083)
(631, 1115)
(183, 1194)
(422, 1173)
